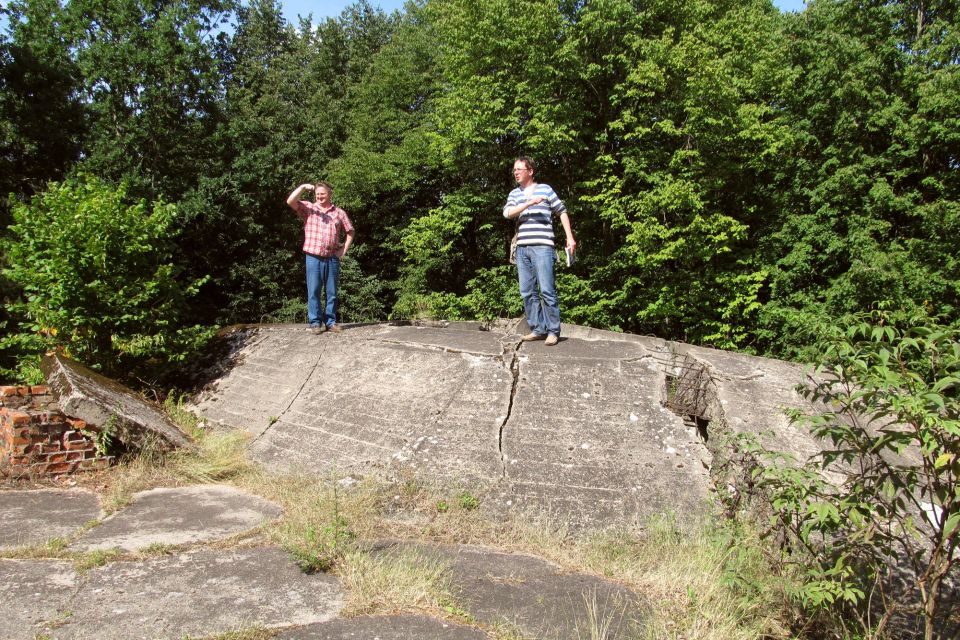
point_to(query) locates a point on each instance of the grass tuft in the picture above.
(400, 581)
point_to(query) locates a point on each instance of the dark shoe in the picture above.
(335, 328)
(551, 340)
(317, 329)
(530, 337)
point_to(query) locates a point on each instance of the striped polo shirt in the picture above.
(536, 222)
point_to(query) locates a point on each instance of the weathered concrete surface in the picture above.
(85, 394)
(32, 593)
(531, 596)
(589, 440)
(209, 591)
(195, 594)
(384, 628)
(579, 430)
(368, 397)
(747, 388)
(33, 517)
(179, 516)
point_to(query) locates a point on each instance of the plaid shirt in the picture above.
(322, 228)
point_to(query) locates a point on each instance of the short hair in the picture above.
(528, 161)
(324, 183)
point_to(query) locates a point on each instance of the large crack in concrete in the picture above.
(514, 367)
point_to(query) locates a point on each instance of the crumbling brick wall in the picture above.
(38, 440)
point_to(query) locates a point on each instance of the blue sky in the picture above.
(332, 8)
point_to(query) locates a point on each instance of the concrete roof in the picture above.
(579, 430)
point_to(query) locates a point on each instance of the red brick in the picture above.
(49, 447)
(75, 456)
(47, 469)
(60, 456)
(20, 445)
(60, 468)
(77, 423)
(6, 392)
(78, 446)
(40, 390)
(19, 418)
(74, 436)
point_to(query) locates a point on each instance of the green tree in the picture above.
(386, 173)
(151, 87)
(871, 187)
(97, 279)
(42, 119)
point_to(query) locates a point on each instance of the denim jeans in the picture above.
(322, 273)
(538, 289)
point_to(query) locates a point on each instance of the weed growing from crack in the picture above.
(253, 633)
(467, 501)
(97, 558)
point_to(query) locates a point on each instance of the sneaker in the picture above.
(551, 340)
(335, 328)
(317, 329)
(530, 337)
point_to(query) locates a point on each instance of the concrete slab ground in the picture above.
(384, 628)
(33, 592)
(34, 517)
(579, 431)
(178, 516)
(196, 594)
(530, 596)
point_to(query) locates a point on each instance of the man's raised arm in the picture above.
(293, 200)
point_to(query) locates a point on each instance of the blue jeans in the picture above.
(322, 273)
(538, 289)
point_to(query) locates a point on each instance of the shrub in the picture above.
(892, 420)
(96, 277)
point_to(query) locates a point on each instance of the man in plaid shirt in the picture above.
(323, 226)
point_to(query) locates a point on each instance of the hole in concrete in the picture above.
(700, 424)
(683, 395)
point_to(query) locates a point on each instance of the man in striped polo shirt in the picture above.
(535, 204)
(323, 226)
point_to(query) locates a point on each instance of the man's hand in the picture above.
(571, 244)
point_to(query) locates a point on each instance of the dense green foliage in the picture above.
(97, 279)
(736, 176)
(891, 430)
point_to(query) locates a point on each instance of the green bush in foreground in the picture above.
(892, 420)
(96, 278)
